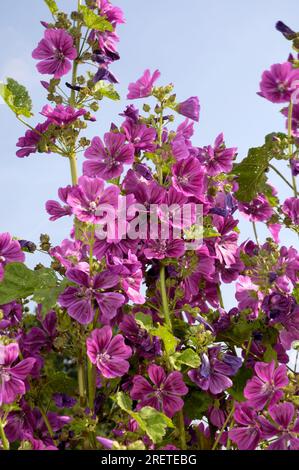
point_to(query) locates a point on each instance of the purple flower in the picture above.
(79, 300)
(217, 159)
(55, 53)
(29, 143)
(294, 162)
(189, 108)
(11, 315)
(10, 251)
(248, 435)
(144, 85)
(12, 377)
(139, 338)
(89, 200)
(104, 74)
(41, 338)
(164, 395)
(55, 209)
(130, 273)
(69, 253)
(285, 30)
(265, 388)
(291, 209)
(189, 177)
(62, 400)
(214, 369)
(282, 427)
(62, 115)
(108, 353)
(160, 249)
(131, 113)
(106, 160)
(257, 210)
(248, 294)
(179, 147)
(114, 14)
(277, 84)
(139, 135)
(294, 119)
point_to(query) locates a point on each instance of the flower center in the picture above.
(2, 259)
(59, 55)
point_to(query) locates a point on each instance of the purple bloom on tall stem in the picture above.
(12, 377)
(62, 115)
(165, 393)
(55, 209)
(11, 315)
(143, 86)
(80, 300)
(257, 210)
(89, 200)
(55, 52)
(189, 177)
(29, 142)
(278, 83)
(265, 388)
(189, 108)
(247, 434)
(283, 426)
(212, 375)
(291, 209)
(106, 160)
(217, 159)
(160, 249)
(10, 251)
(108, 353)
(139, 135)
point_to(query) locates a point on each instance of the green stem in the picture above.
(220, 296)
(81, 381)
(91, 374)
(255, 233)
(281, 176)
(223, 427)
(164, 298)
(4, 440)
(46, 421)
(290, 114)
(74, 170)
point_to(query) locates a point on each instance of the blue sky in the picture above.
(214, 49)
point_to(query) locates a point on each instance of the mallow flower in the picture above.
(189, 177)
(284, 425)
(12, 373)
(107, 159)
(165, 393)
(80, 300)
(189, 108)
(10, 251)
(143, 86)
(265, 388)
(278, 83)
(55, 52)
(108, 353)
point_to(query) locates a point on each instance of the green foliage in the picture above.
(187, 357)
(152, 422)
(20, 282)
(94, 21)
(239, 382)
(170, 342)
(251, 171)
(145, 321)
(106, 90)
(196, 404)
(16, 97)
(61, 383)
(52, 5)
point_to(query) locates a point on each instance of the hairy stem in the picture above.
(255, 233)
(223, 427)
(290, 114)
(46, 421)
(281, 176)
(4, 440)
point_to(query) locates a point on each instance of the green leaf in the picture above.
(62, 383)
(94, 21)
(145, 321)
(52, 5)
(189, 358)
(151, 421)
(197, 404)
(16, 97)
(170, 342)
(239, 382)
(107, 90)
(269, 354)
(19, 282)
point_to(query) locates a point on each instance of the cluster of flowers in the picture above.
(142, 320)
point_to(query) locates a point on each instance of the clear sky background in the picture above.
(214, 49)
